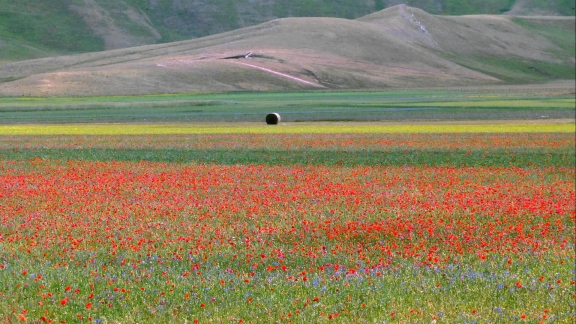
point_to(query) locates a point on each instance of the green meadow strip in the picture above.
(509, 103)
(397, 157)
(143, 129)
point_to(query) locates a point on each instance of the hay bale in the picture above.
(273, 119)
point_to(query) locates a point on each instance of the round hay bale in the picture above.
(273, 119)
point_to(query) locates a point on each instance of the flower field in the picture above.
(479, 228)
(250, 128)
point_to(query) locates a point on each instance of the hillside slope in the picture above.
(32, 29)
(396, 47)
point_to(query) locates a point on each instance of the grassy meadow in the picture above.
(294, 107)
(454, 206)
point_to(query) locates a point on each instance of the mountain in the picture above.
(33, 29)
(396, 47)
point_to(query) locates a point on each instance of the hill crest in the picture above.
(32, 29)
(397, 47)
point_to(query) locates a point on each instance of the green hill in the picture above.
(396, 47)
(31, 28)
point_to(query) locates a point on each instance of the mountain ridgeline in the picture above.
(31, 28)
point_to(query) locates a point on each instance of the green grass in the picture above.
(504, 103)
(293, 107)
(392, 157)
(563, 7)
(403, 294)
(524, 70)
(561, 35)
(48, 24)
(455, 7)
(519, 70)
